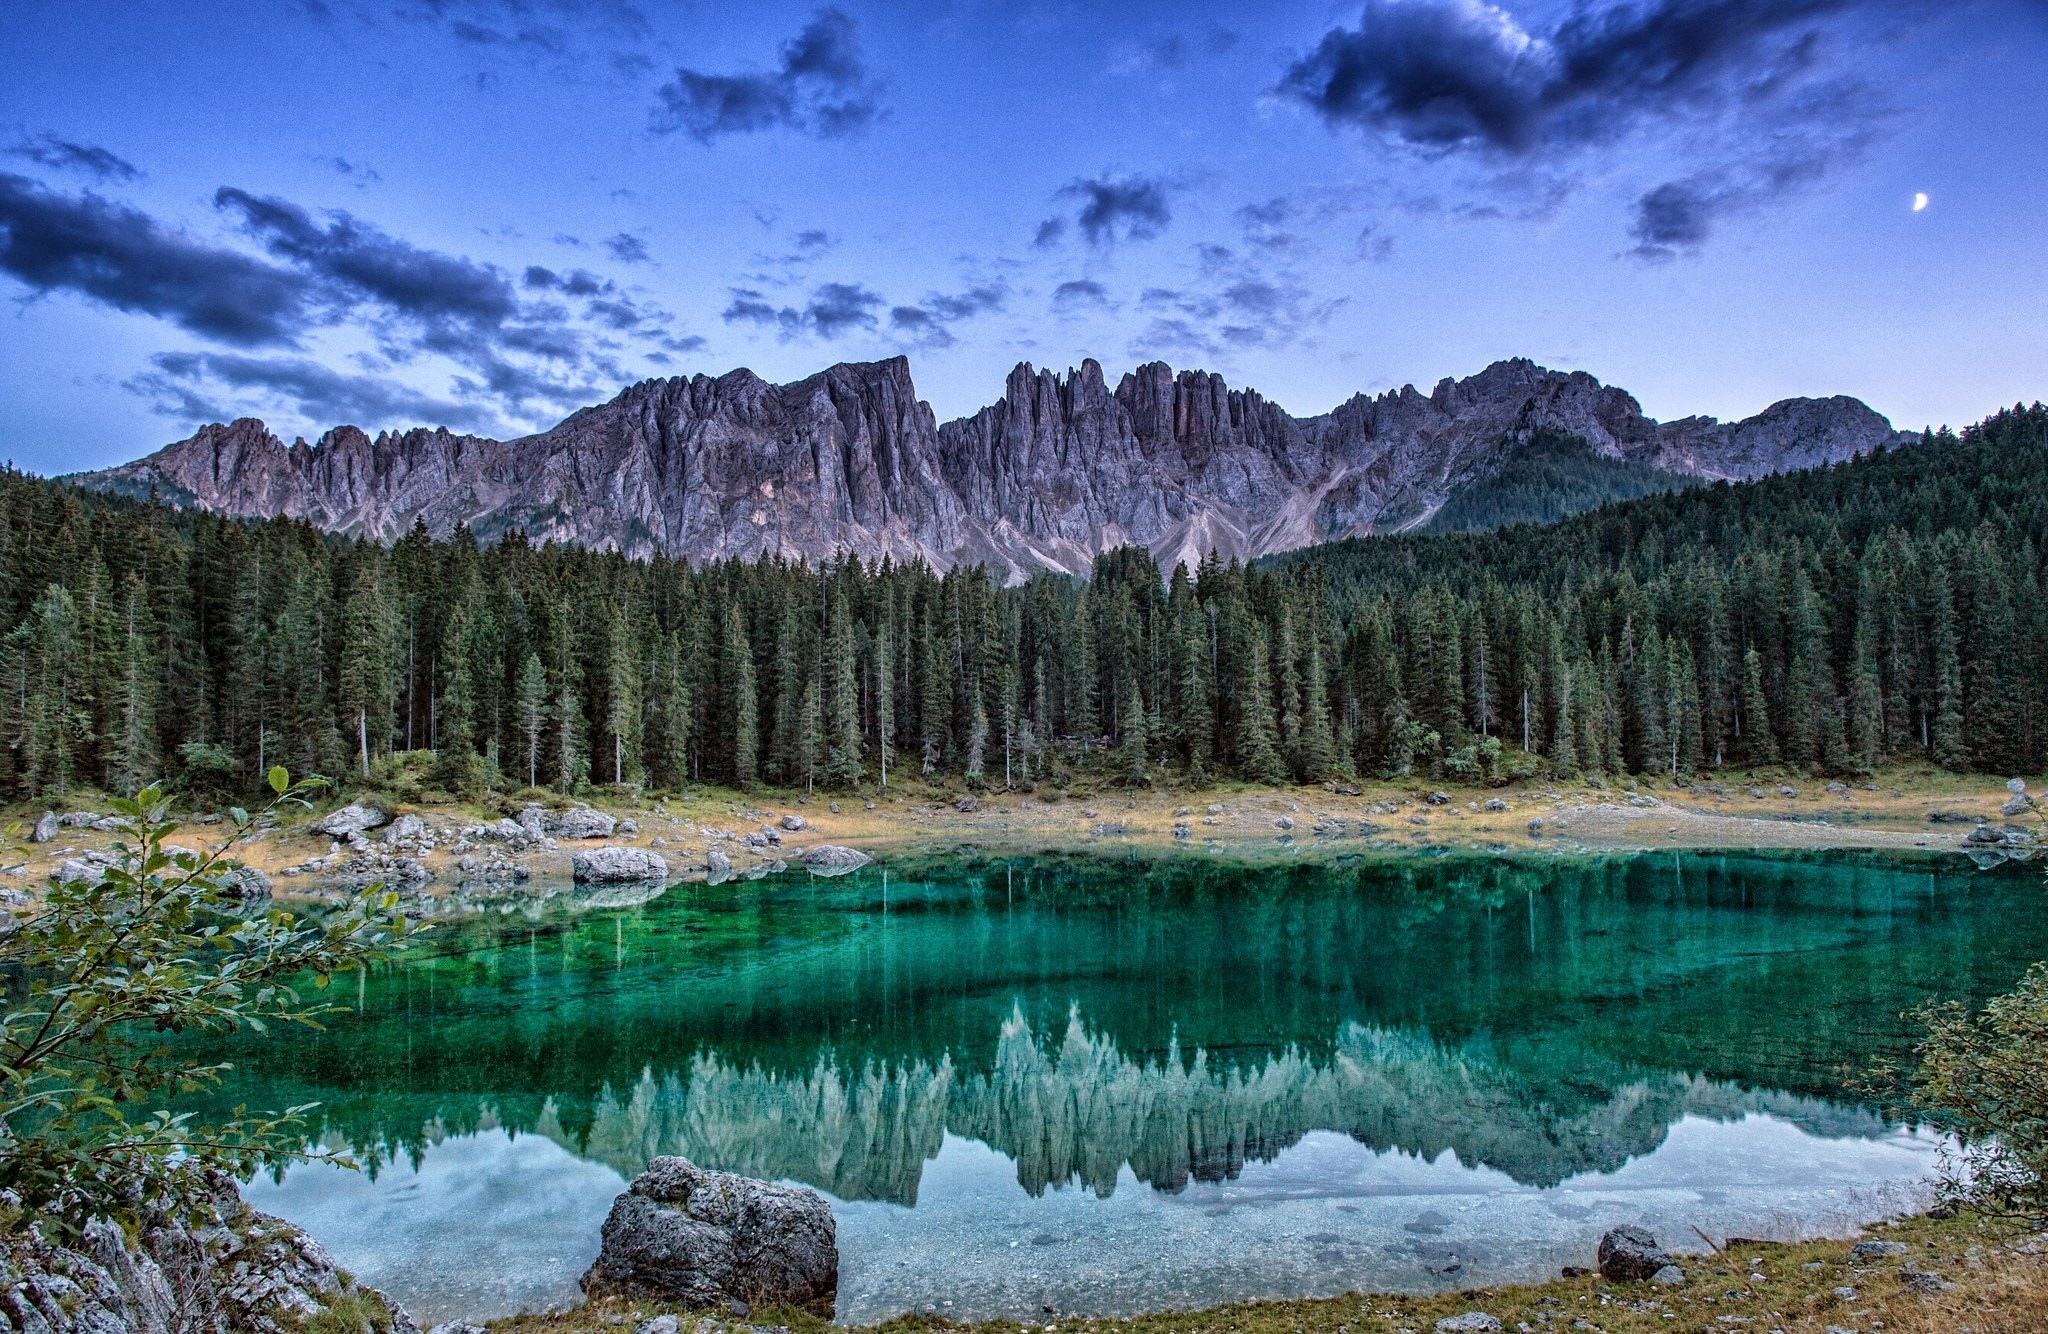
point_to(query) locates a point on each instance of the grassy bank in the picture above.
(1996, 1277)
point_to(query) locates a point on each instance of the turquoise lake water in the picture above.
(1107, 1086)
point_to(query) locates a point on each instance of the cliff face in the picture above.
(1059, 469)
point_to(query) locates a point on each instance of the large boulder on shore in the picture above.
(617, 866)
(580, 822)
(832, 859)
(352, 820)
(701, 1238)
(1630, 1255)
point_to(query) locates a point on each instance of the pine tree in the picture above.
(135, 756)
(530, 707)
(366, 684)
(744, 715)
(885, 695)
(622, 682)
(1258, 759)
(843, 766)
(1317, 745)
(1758, 739)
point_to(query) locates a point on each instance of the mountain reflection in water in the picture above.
(1076, 1109)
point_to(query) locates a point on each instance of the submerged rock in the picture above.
(1630, 1255)
(832, 859)
(612, 866)
(705, 1239)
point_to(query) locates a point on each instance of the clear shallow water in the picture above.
(1119, 1086)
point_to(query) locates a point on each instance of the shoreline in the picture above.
(1988, 1277)
(432, 848)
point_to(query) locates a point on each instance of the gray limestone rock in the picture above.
(830, 859)
(704, 1239)
(352, 820)
(579, 822)
(229, 1268)
(610, 865)
(1630, 1255)
(45, 828)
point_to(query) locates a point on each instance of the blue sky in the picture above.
(484, 213)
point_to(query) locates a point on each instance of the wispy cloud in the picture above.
(60, 154)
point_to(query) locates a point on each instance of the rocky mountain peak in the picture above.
(1058, 469)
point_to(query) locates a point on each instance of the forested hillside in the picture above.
(1885, 609)
(1552, 477)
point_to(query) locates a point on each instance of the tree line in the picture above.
(1883, 610)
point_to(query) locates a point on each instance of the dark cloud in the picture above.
(626, 248)
(1112, 209)
(1079, 294)
(1677, 217)
(69, 155)
(927, 322)
(426, 285)
(819, 88)
(1761, 97)
(118, 256)
(180, 383)
(1451, 74)
(833, 309)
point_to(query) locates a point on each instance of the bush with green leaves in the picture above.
(1985, 1077)
(106, 979)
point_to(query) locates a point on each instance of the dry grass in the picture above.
(1998, 1278)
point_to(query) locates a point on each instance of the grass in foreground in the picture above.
(1997, 1280)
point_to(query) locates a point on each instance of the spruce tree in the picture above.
(530, 708)
(744, 708)
(1259, 757)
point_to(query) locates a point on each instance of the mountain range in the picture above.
(1058, 469)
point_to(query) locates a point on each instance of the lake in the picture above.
(1101, 1086)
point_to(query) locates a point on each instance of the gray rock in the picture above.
(661, 1324)
(612, 866)
(85, 866)
(1921, 1280)
(1878, 1250)
(1669, 1276)
(80, 819)
(245, 883)
(1845, 1294)
(717, 865)
(352, 820)
(1788, 791)
(794, 823)
(1215, 808)
(830, 859)
(404, 827)
(1496, 805)
(1472, 1322)
(465, 1327)
(2016, 786)
(45, 828)
(228, 1268)
(579, 822)
(1284, 822)
(703, 1239)
(629, 827)
(1630, 1255)
(967, 805)
(1438, 798)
